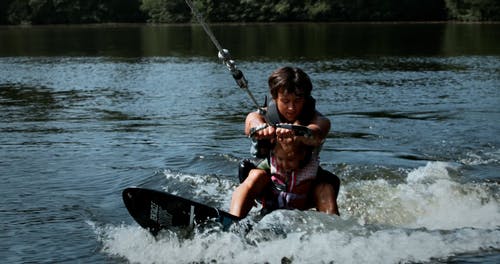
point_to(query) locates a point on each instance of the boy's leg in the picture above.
(326, 192)
(245, 194)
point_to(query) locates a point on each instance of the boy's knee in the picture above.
(326, 198)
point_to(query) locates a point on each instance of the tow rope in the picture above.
(225, 57)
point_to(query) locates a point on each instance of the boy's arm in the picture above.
(255, 119)
(320, 126)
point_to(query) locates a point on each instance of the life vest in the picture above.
(273, 116)
(284, 185)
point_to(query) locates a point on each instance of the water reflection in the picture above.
(424, 115)
(26, 103)
(250, 41)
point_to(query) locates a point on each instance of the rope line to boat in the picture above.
(225, 56)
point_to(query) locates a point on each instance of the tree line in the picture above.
(15, 12)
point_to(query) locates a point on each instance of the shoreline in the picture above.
(126, 24)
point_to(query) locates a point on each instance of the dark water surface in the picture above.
(89, 110)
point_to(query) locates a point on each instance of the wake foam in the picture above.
(364, 246)
(429, 198)
(428, 215)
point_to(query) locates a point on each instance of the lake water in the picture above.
(87, 111)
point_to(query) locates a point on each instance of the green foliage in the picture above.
(319, 10)
(176, 11)
(18, 12)
(473, 10)
(69, 11)
(166, 11)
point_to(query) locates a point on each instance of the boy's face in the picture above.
(289, 105)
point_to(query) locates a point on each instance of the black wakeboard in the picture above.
(156, 210)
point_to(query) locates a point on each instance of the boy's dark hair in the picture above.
(290, 79)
